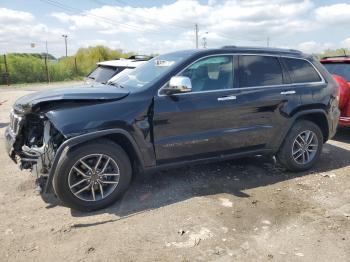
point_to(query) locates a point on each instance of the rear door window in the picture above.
(301, 71)
(256, 70)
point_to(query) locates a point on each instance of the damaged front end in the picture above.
(36, 129)
(33, 142)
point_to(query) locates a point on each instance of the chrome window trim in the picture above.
(249, 87)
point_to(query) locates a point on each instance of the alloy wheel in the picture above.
(93, 177)
(305, 147)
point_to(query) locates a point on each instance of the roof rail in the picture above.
(294, 50)
(262, 48)
(228, 46)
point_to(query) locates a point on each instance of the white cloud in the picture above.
(14, 16)
(312, 47)
(168, 27)
(308, 47)
(337, 14)
(94, 42)
(21, 29)
(346, 43)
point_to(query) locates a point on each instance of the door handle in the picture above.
(292, 92)
(225, 98)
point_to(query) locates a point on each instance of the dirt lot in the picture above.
(241, 210)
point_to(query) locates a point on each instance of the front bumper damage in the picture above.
(33, 154)
(10, 139)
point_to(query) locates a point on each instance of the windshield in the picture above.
(340, 69)
(151, 71)
(103, 73)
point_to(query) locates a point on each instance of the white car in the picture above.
(108, 71)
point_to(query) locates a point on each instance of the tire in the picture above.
(102, 190)
(288, 152)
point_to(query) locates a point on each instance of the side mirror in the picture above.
(178, 84)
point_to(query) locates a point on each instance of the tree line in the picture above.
(30, 68)
(18, 68)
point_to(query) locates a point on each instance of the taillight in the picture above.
(338, 93)
(343, 91)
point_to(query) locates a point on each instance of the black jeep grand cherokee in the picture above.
(178, 108)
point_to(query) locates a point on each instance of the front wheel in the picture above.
(92, 176)
(302, 146)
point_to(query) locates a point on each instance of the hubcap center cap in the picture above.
(94, 177)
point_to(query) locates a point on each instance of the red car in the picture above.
(339, 67)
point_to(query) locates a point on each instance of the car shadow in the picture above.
(343, 135)
(2, 125)
(232, 177)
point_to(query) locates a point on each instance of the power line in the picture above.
(71, 9)
(100, 18)
(238, 38)
(151, 21)
(124, 3)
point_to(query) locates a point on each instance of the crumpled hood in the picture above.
(73, 94)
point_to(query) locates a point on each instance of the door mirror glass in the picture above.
(178, 84)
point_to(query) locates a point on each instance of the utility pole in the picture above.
(65, 41)
(344, 51)
(268, 42)
(46, 61)
(196, 34)
(204, 43)
(47, 51)
(7, 71)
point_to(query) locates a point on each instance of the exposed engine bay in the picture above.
(36, 142)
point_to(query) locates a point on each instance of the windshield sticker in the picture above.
(164, 63)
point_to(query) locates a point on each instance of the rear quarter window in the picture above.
(301, 71)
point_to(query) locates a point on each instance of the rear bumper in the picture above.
(344, 121)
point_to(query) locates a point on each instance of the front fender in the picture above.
(70, 143)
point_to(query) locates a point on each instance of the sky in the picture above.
(156, 26)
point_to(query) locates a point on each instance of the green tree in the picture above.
(29, 68)
(334, 52)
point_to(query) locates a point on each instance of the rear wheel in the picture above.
(302, 146)
(92, 176)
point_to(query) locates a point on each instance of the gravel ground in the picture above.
(240, 210)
